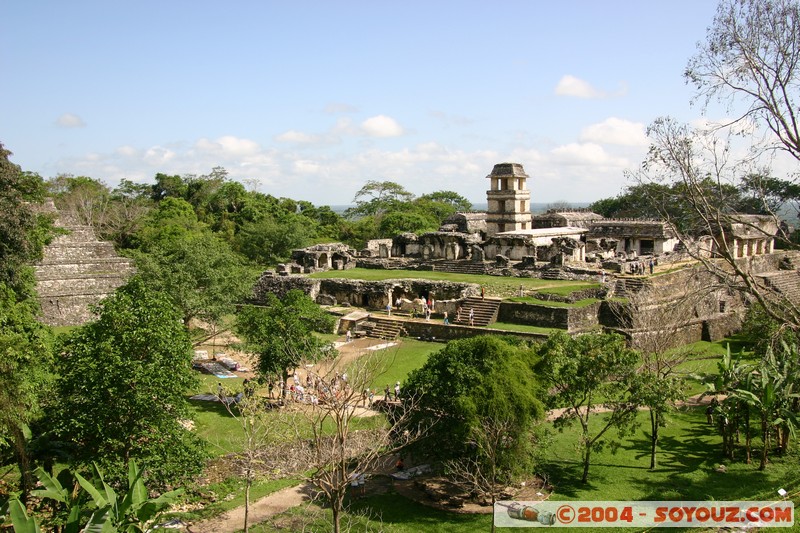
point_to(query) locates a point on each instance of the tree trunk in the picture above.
(784, 440)
(654, 423)
(765, 436)
(747, 439)
(586, 457)
(23, 462)
(337, 503)
(247, 502)
(493, 489)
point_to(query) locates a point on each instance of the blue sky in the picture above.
(309, 100)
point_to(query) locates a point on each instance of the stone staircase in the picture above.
(459, 267)
(382, 328)
(624, 287)
(786, 282)
(77, 271)
(554, 274)
(486, 310)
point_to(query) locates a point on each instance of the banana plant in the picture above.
(133, 512)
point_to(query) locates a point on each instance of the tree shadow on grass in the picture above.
(689, 450)
(705, 484)
(210, 407)
(393, 508)
(565, 477)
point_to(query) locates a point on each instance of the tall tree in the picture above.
(337, 454)
(751, 61)
(699, 164)
(585, 372)
(22, 231)
(199, 273)
(122, 389)
(25, 377)
(25, 347)
(653, 320)
(469, 382)
(377, 197)
(281, 332)
(271, 240)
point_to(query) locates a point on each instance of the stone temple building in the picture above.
(509, 232)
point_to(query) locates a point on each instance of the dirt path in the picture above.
(283, 500)
(691, 401)
(260, 510)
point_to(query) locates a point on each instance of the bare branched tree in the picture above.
(260, 436)
(481, 474)
(711, 230)
(337, 455)
(751, 62)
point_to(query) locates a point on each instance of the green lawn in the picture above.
(228, 495)
(690, 450)
(223, 433)
(399, 360)
(494, 285)
(524, 328)
(390, 513)
(547, 303)
(688, 455)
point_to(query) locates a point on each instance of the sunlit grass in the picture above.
(494, 285)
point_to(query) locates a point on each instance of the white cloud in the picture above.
(615, 131)
(158, 156)
(381, 126)
(228, 145)
(569, 85)
(294, 136)
(452, 120)
(580, 171)
(589, 154)
(304, 166)
(69, 120)
(126, 151)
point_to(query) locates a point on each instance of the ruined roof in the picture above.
(621, 228)
(573, 214)
(752, 226)
(507, 170)
(544, 232)
(465, 223)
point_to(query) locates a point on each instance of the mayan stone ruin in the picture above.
(77, 271)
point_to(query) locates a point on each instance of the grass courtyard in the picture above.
(494, 285)
(688, 456)
(689, 453)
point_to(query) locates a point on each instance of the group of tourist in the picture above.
(640, 267)
(315, 389)
(427, 307)
(471, 315)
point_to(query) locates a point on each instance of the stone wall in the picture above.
(77, 271)
(572, 319)
(360, 293)
(436, 330)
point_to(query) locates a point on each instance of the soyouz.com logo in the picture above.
(644, 514)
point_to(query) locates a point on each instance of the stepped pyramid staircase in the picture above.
(383, 328)
(485, 311)
(77, 270)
